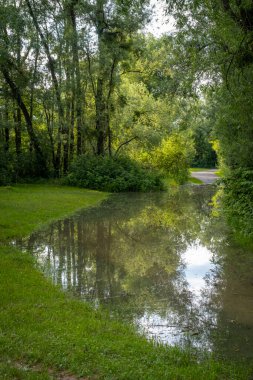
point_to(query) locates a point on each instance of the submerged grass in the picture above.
(46, 334)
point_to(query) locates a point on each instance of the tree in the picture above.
(13, 57)
(114, 22)
(216, 37)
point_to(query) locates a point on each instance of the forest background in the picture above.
(88, 97)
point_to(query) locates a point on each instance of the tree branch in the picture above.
(124, 143)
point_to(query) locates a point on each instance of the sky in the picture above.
(160, 22)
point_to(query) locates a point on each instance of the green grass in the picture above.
(195, 181)
(46, 334)
(28, 207)
(199, 169)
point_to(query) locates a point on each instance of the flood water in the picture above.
(160, 261)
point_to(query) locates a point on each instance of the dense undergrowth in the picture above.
(237, 200)
(21, 168)
(112, 174)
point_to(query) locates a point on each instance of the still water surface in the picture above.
(160, 261)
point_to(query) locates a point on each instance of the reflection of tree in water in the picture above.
(227, 300)
(126, 255)
(137, 243)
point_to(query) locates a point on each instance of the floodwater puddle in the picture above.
(160, 261)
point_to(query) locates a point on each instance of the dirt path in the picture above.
(207, 176)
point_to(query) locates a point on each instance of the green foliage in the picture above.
(173, 156)
(233, 126)
(138, 114)
(155, 66)
(238, 200)
(22, 168)
(6, 168)
(204, 156)
(114, 174)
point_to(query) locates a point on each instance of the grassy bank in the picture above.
(28, 207)
(45, 334)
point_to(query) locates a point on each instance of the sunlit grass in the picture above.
(195, 181)
(26, 207)
(199, 169)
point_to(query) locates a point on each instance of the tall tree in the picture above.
(216, 46)
(12, 67)
(51, 65)
(79, 96)
(114, 22)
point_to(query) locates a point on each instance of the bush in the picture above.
(111, 174)
(21, 168)
(238, 200)
(173, 156)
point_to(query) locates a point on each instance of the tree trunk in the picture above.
(17, 128)
(51, 65)
(100, 110)
(6, 129)
(72, 123)
(76, 65)
(49, 121)
(33, 138)
(99, 97)
(7, 139)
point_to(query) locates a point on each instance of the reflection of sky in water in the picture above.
(159, 328)
(196, 261)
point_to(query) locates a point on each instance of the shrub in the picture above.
(6, 169)
(21, 168)
(111, 174)
(238, 200)
(173, 156)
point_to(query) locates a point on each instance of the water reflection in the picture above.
(160, 261)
